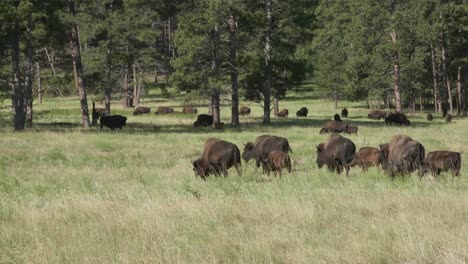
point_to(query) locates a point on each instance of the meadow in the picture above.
(73, 195)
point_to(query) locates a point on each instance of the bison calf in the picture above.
(164, 110)
(367, 157)
(377, 114)
(276, 161)
(438, 161)
(429, 117)
(448, 118)
(283, 113)
(189, 110)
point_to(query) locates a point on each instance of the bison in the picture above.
(448, 118)
(367, 157)
(438, 161)
(334, 127)
(113, 121)
(262, 147)
(429, 117)
(336, 153)
(351, 130)
(402, 155)
(302, 112)
(336, 117)
(244, 111)
(397, 119)
(164, 110)
(203, 120)
(217, 157)
(276, 161)
(141, 110)
(189, 110)
(377, 114)
(283, 113)
(344, 113)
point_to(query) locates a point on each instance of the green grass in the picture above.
(91, 196)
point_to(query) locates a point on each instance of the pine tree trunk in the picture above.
(459, 90)
(39, 82)
(108, 87)
(215, 72)
(78, 67)
(445, 72)
(421, 106)
(28, 77)
(125, 88)
(396, 72)
(434, 76)
(94, 116)
(17, 99)
(136, 90)
(50, 59)
(216, 108)
(268, 66)
(275, 106)
(465, 91)
(234, 74)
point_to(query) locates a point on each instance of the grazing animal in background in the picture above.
(164, 110)
(113, 121)
(302, 112)
(203, 120)
(344, 113)
(438, 161)
(377, 114)
(351, 130)
(283, 113)
(402, 155)
(444, 110)
(367, 157)
(244, 111)
(397, 119)
(337, 153)
(219, 125)
(429, 117)
(262, 147)
(189, 110)
(141, 110)
(448, 118)
(336, 117)
(217, 157)
(276, 161)
(334, 127)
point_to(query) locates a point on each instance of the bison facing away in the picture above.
(283, 113)
(141, 110)
(164, 110)
(189, 110)
(302, 112)
(276, 161)
(367, 157)
(244, 111)
(336, 153)
(377, 114)
(217, 157)
(113, 122)
(438, 161)
(203, 120)
(344, 113)
(263, 146)
(402, 155)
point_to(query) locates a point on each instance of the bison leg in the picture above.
(238, 169)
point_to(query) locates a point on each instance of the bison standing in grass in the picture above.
(302, 112)
(113, 122)
(283, 113)
(334, 127)
(351, 130)
(429, 117)
(402, 155)
(203, 120)
(344, 113)
(397, 119)
(164, 110)
(263, 146)
(141, 110)
(244, 111)
(336, 117)
(277, 161)
(439, 161)
(337, 153)
(377, 114)
(189, 110)
(448, 118)
(367, 157)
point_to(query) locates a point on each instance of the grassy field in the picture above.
(69, 195)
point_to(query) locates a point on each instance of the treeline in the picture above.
(403, 50)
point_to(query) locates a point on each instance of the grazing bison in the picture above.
(217, 157)
(141, 110)
(402, 155)
(302, 112)
(113, 121)
(334, 127)
(164, 110)
(367, 157)
(336, 117)
(203, 120)
(351, 130)
(244, 111)
(283, 113)
(377, 114)
(344, 113)
(438, 161)
(397, 119)
(189, 110)
(429, 117)
(262, 147)
(336, 153)
(448, 118)
(276, 161)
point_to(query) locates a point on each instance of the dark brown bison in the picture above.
(276, 161)
(244, 111)
(164, 110)
(402, 155)
(113, 121)
(397, 119)
(203, 120)
(283, 113)
(141, 110)
(429, 117)
(377, 114)
(217, 157)
(367, 157)
(448, 118)
(336, 153)
(438, 161)
(336, 117)
(302, 112)
(344, 113)
(334, 127)
(262, 147)
(189, 110)
(351, 130)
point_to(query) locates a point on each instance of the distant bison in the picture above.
(302, 112)
(367, 157)
(189, 110)
(141, 110)
(203, 120)
(377, 114)
(402, 155)
(164, 110)
(244, 111)
(344, 113)
(217, 157)
(336, 117)
(263, 146)
(351, 130)
(283, 113)
(448, 118)
(276, 161)
(334, 127)
(113, 121)
(438, 161)
(429, 117)
(397, 119)
(337, 153)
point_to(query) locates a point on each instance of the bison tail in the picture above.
(287, 148)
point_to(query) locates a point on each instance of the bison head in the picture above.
(320, 155)
(323, 131)
(248, 153)
(198, 168)
(196, 124)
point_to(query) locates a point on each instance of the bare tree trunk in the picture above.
(444, 71)
(396, 72)
(50, 59)
(108, 87)
(94, 115)
(421, 106)
(28, 78)
(268, 66)
(459, 90)
(39, 82)
(465, 91)
(211, 104)
(78, 67)
(234, 73)
(125, 88)
(275, 106)
(434, 75)
(17, 98)
(136, 87)
(215, 72)
(216, 107)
